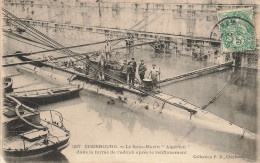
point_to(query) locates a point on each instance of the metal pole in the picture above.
(159, 77)
(23, 143)
(51, 119)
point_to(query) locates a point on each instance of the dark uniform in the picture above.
(124, 71)
(131, 74)
(134, 63)
(141, 70)
(101, 64)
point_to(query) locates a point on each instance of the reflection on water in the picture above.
(91, 120)
(238, 102)
(54, 157)
(50, 158)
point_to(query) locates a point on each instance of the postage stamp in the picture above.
(237, 30)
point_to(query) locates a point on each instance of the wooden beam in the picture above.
(196, 72)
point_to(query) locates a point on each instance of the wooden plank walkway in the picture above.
(198, 72)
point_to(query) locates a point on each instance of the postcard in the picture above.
(130, 81)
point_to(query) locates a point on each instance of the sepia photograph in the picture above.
(130, 81)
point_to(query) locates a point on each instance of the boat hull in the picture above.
(31, 134)
(152, 106)
(31, 154)
(8, 87)
(47, 99)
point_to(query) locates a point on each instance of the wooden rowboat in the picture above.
(48, 95)
(29, 134)
(8, 84)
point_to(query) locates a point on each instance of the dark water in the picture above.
(92, 121)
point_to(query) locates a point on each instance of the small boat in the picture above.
(8, 84)
(27, 134)
(48, 95)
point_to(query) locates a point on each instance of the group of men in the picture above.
(129, 69)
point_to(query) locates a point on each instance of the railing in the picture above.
(207, 69)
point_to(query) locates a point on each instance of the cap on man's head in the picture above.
(141, 60)
(133, 58)
(154, 65)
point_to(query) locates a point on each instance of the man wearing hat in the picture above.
(130, 74)
(101, 64)
(124, 70)
(141, 70)
(154, 73)
(133, 62)
(108, 50)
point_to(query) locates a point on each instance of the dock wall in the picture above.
(184, 25)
